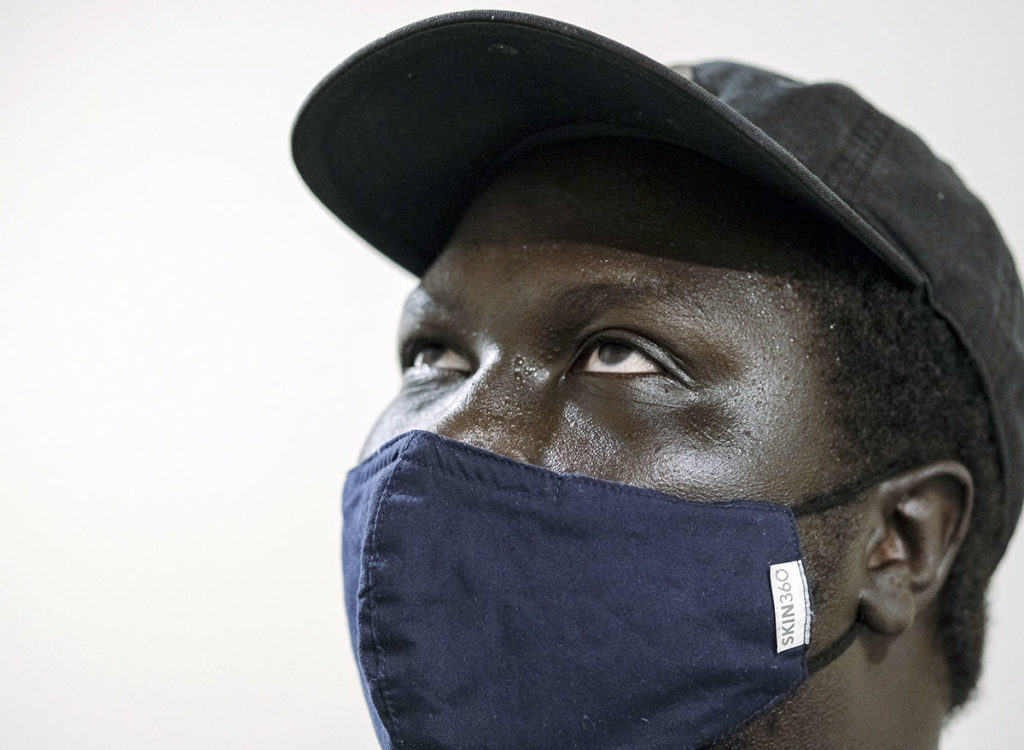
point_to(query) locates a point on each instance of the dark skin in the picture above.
(626, 311)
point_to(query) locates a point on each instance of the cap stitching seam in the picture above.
(848, 169)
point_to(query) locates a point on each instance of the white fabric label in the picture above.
(792, 605)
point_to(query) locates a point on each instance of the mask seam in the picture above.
(374, 558)
(795, 538)
(794, 533)
(754, 716)
(600, 485)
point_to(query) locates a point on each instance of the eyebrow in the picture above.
(586, 300)
(658, 297)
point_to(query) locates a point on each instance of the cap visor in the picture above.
(398, 139)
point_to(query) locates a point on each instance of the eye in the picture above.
(619, 359)
(439, 357)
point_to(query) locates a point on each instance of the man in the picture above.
(711, 423)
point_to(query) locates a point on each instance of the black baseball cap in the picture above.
(399, 138)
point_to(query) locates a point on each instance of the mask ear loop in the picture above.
(837, 649)
(845, 495)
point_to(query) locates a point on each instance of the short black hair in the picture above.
(908, 394)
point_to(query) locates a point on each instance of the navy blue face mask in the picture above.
(494, 604)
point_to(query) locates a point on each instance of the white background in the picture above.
(191, 348)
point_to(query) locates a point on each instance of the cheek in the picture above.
(760, 437)
(687, 450)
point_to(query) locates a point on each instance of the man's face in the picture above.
(627, 312)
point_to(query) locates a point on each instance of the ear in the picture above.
(917, 522)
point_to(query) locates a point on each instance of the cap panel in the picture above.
(828, 128)
(813, 122)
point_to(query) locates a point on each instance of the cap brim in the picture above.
(398, 139)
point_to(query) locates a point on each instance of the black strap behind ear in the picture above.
(833, 652)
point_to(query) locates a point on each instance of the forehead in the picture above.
(646, 198)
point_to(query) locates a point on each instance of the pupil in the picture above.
(613, 354)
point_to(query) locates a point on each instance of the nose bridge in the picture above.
(504, 408)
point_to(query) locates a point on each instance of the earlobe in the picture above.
(917, 522)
